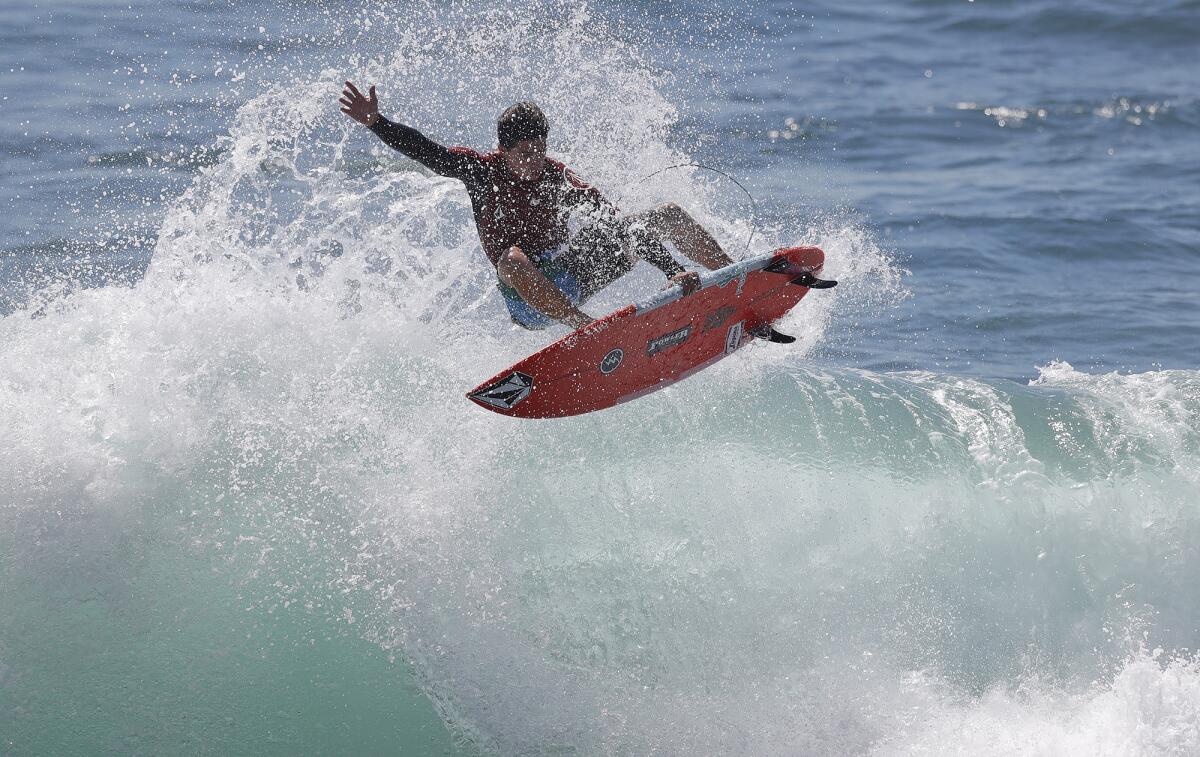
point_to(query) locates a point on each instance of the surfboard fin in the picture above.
(771, 335)
(812, 282)
(782, 265)
(805, 279)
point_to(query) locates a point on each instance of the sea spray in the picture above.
(780, 555)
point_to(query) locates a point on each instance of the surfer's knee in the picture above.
(674, 214)
(514, 254)
(672, 210)
(668, 217)
(511, 261)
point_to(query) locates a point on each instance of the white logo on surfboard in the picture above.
(733, 337)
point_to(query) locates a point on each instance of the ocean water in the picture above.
(245, 508)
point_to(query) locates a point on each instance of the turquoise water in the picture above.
(245, 508)
(120, 638)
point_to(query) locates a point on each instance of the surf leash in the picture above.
(753, 204)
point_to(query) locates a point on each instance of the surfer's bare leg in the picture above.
(672, 223)
(516, 270)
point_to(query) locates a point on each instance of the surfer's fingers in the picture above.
(353, 89)
(346, 101)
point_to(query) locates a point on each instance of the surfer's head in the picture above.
(522, 131)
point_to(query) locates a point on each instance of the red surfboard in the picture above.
(643, 347)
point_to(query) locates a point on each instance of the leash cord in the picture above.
(753, 204)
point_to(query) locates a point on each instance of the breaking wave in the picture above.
(777, 556)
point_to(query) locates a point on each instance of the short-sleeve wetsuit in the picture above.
(532, 215)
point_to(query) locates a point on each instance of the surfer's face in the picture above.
(526, 159)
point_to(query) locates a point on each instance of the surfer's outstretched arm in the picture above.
(360, 107)
(440, 159)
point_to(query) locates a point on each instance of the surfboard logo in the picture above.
(612, 361)
(666, 341)
(733, 337)
(716, 319)
(506, 392)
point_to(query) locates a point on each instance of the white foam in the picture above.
(772, 559)
(1151, 707)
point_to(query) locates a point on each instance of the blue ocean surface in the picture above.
(246, 509)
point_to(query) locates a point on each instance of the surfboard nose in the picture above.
(505, 393)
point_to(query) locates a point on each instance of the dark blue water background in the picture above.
(1033, 165)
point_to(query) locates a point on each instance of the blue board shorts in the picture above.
(594, 259)
(524, 314)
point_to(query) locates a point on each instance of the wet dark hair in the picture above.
(522, 121)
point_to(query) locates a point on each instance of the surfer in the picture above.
(521, 200)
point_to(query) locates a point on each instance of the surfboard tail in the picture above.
(804, 275)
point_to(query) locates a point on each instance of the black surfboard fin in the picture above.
(771, 335)
(782, 265)
(812, 282)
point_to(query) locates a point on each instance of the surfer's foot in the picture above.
(689, 280)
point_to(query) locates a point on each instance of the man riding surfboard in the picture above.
(521, 200)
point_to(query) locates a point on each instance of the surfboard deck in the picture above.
(649, 345)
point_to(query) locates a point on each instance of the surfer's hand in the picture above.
(689, 280)
(361, 108)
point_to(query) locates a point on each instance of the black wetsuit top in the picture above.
(531, 215)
